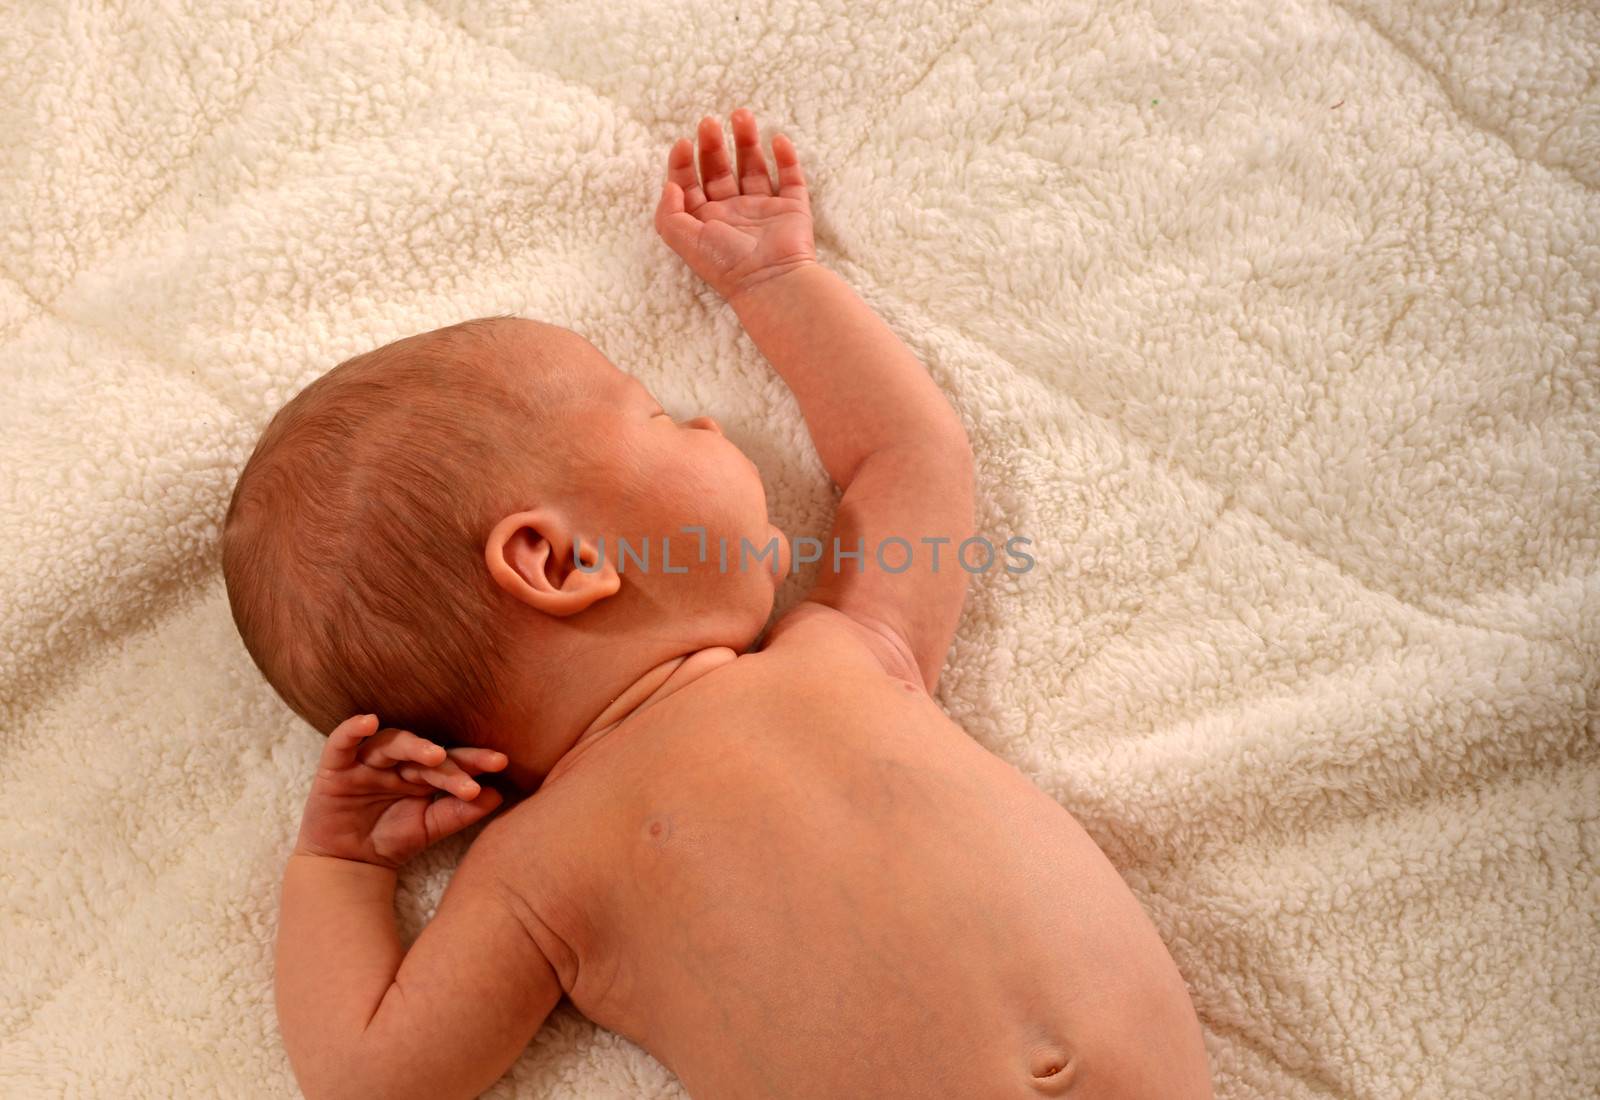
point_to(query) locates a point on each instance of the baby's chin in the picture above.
(759, 595)
(774, 531)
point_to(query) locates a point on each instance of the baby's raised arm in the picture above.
(891, 442)
(886, 434)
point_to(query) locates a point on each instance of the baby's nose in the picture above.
(705, 424)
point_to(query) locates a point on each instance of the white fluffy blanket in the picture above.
(1274, 325)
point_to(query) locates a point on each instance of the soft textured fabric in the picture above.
(1274, 326)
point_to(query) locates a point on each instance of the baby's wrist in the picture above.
(770, 282)
(308, 852)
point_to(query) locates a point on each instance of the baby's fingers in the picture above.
(680, 170)
(791, 181)
(677, 227)
(345, 741)
(450, 815)
(753, 176)
(474, 760)
(716, 174)
(470, 761)
(449, 777)
(394, 746)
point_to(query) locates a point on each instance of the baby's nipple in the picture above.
(658, 828)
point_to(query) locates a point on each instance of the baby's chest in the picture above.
(786, 837)
(812, 900)
(745, 833)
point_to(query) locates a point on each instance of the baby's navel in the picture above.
(1051, 1068)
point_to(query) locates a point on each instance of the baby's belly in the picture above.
(849, 906)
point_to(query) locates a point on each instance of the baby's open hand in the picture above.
(729, 226)
(372, 799)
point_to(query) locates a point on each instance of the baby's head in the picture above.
(402, 539)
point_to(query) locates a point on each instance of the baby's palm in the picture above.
(732, 229)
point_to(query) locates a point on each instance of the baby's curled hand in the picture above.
(730, 227)
(372, 798)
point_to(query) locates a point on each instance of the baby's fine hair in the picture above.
(353, 545)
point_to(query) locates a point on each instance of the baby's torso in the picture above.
(798, 878)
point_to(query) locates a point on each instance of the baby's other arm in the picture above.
(886, 434)
(360, 1015)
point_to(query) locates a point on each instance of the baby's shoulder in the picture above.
(813, 627)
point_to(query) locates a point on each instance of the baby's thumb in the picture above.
(451, 815)
(671, 200)
(676, 227)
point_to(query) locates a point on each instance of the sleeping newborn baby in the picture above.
(770, 860)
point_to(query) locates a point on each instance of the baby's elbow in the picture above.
(357, 1082)
(317, 1059)
(331, 1078)
(960, 447)
(961, 467)
(321, 1085)
(953, 437)
(944, 450)
(362, 1075)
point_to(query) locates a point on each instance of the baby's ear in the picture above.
(536, 558)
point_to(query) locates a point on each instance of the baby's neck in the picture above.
(631, 699)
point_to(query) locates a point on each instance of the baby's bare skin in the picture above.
(775, 865)
(796, 877)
